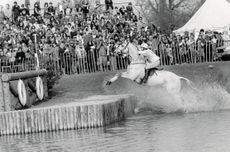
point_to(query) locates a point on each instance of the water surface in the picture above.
(195, 132)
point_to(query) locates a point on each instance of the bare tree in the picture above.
(165, 13)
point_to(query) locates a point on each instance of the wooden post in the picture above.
(6, 96)
(45, 87)
(2, 107)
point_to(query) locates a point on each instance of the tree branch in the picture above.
(170, 4)
(145, 15)
(153, 8)
(157, 4)
(178, 4)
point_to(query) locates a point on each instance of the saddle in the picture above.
(150, 72)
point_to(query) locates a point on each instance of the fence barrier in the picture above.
(70, 63)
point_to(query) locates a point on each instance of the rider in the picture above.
(152, 60)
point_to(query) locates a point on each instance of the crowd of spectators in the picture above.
(90, 34)
(55, 31)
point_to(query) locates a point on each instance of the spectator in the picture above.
(2, 14)
(51, 9)
(109, 4)
(20, 56)
(8, 12)
(129, 9)
(77, 4)
(37, 10)
(102, 51)
(85, 8)
(200, 49)
(46, 13)
(15, 11)
(27, 6)
(81, 38)
(23, 11)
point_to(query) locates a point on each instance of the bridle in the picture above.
(130, 57)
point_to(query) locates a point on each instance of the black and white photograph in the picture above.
(114, 75)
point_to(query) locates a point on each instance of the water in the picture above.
(203, 128)
(147, 132)
(208, 96)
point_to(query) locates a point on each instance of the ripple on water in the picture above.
(144, 132)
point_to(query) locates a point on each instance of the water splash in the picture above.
(209, 97)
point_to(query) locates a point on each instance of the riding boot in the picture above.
(146, 76)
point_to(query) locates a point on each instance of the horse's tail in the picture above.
(189, 82)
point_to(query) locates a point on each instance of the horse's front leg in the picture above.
(113, 79)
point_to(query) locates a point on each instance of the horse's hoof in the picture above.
(108, 83)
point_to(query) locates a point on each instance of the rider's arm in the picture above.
(142, 53)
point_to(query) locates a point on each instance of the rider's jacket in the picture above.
(150, 56)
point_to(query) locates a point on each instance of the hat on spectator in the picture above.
(144, 45)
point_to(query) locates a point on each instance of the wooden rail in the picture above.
(9, 99)
(22, 75)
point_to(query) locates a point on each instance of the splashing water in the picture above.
(209, 97)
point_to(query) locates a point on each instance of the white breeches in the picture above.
(152, 65)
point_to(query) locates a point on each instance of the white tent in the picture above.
(213, 15)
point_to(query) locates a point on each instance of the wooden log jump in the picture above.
(9, 92)
(22, 75)
(89, 113)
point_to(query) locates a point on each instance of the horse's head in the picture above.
(122, 48)
(132, 51)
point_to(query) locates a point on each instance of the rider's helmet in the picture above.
(144, 45)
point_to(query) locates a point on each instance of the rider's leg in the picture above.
(148, 69)
(146, 75)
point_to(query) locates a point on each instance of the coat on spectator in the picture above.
(109, 4)
(15, 11)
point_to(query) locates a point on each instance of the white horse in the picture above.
(136, 71)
